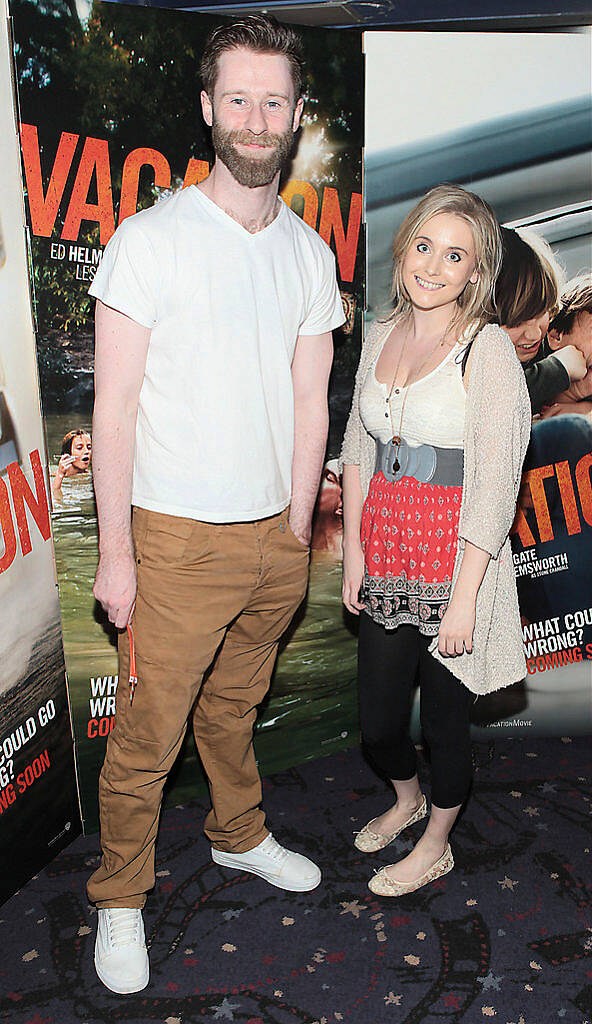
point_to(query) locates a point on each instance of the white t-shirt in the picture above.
(215, 428)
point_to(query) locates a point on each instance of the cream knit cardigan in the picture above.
(497, 431)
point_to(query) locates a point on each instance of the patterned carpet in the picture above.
(505, 937)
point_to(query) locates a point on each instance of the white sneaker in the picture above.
(278, 866)
(121, 958)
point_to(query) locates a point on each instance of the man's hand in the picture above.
(115, 587)
(301, 527)
(120, 359)
(353, 577)
(456, 629)
(573, 360)
(581, 408)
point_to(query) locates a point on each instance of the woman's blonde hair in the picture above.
(475, 303)
(529, 280)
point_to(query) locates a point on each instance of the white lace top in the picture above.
(434, 411)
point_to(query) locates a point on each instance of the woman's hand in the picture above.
(458, 623)
(64, 465)
(57, 480)
(456, 629)
(353, 576)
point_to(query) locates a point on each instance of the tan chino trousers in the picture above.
(209, 595)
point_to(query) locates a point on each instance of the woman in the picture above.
(74, 460)
(432, 455)
(526, 297)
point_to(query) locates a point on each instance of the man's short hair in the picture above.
(258, 32)
(576, 298)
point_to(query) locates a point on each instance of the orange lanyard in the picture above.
(133, 678)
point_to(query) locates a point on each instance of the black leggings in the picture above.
(388, 663)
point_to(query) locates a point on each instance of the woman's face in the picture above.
(528, 336)
(440, 262)
(81, 449)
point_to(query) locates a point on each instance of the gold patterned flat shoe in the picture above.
(383, 885)
(369, 841)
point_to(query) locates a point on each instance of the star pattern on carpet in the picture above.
(452, 1001)
(279, 972)
(229, 914)
(225, 1010)
(353, 908)
(490, 981)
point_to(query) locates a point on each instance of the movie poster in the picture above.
(39, 813)
(111, 123)
(508, 116)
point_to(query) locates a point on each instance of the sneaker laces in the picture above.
(123, 926)
(271, 848)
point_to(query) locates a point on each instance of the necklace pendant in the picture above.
(396, 440)
(396, 466)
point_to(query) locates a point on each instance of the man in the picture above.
(213, 354)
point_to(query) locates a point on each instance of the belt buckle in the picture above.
(423, 462)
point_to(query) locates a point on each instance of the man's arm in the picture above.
(121, 348)
(544, 379)
(311, 367)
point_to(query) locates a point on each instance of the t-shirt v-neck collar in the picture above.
(230, 222)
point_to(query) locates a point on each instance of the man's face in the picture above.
(580, 336)
(253, 114)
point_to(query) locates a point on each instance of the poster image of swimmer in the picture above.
(39, 812)
(101, 135)
(507, 116)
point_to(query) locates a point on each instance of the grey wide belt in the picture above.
(425, 462)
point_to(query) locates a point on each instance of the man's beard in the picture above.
(252, 171)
